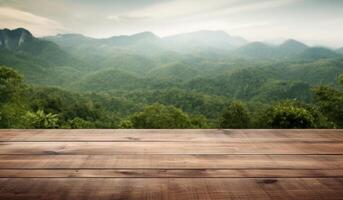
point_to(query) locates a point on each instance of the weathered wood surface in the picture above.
(171, 164)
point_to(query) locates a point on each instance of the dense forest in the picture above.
(206, 79)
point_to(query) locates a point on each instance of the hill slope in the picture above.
(40, 61)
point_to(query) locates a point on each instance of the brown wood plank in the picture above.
(170, 188)
(168, 173)
(103, 148)
(205, 135)
(171, 162)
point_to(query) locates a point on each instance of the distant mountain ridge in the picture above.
(340, 50)
(289, 49)
(206, 42)
(144, 59)
(214, 39)
(148, 41)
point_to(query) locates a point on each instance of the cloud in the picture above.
(178, 8)
(14, 18)
(257, 6)
(205, 8)
(126, 18)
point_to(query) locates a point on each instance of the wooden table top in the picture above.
(171, 164)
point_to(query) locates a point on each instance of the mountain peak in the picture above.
(22, 31)
(13, 39)
(145, 35)
(294, 43)
(16, 32)
(292, 47)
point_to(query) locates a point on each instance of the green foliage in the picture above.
(330, 102)
(11, 115)
(139, 82)
(199, 121)
(126, 124)
(161, 116)
(195, 103)
(10, 83)
(79, 123)
(289, 116)
(292, 114)
(235, 116)
(12, 104)
(40, 119)
(341, 79)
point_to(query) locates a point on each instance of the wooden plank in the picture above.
(171, 162)
(108, 148)
(168, 173)
(171, 188)
(204, 135)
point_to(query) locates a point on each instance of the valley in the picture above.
(115, 80)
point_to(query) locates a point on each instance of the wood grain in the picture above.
(167, 173)
(171, 161)
(108, 148)
(174, 135)
(171, 164)
(170, 188)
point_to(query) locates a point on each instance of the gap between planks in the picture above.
(168, 173)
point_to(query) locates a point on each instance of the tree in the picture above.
(125, 124)
(235, 116)
(330, 103)
(161, 116)
(10, 83)
(79, 123)
(288, 115)
(340, 78)
(199, 121)
(12, 105)
(41, 120)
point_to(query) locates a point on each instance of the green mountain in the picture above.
(271, 81)
(340, 51)
(211, 62)
(291, 48)
(148, 44)
(200, 72)
(256, 50)
(259, 50)
(40, 61)
(318, 53)
(174, 72)
(203, 39)
(14, 39)
(109, 80)
(21, 41)
(79, 45)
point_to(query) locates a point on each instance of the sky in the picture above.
(316, 22)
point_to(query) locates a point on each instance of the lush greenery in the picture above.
(25, 106)
(143, 81)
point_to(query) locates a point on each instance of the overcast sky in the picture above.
(312, 21)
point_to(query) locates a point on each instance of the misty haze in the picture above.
(171, 99)
(171, 64)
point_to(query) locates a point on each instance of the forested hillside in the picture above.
(205, 79)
